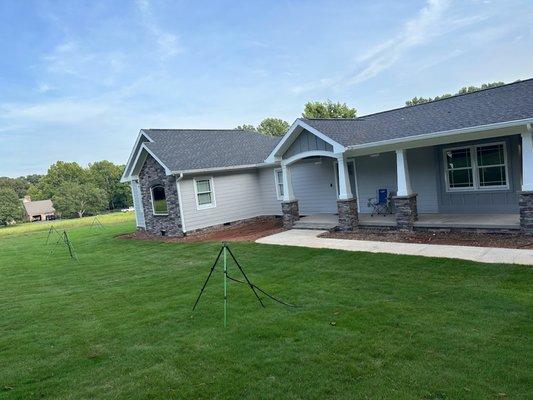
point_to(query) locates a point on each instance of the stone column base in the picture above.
(525, 202)
(406, 211)
(291, 213)
(348, 216)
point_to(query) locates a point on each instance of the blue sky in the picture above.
(78, 79)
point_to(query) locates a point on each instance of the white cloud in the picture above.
(168, 43)
(430, 23)
(61, 111)
(421, 29)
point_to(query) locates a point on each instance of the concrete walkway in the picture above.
(308, 238)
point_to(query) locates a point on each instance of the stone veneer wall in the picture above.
(406, 212)
(348, 216)
(152, 173)
(526, 211)
(291, 213)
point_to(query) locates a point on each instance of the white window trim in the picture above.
(213, 203)
(278, 184)
(475, 169)
(152, 197)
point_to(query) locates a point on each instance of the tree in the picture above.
(75, 198)
(328, 109)
(106, 175)
(19, 185)
(58, 174)
(246, 127)
(273, 127)
(10, 206)
(464, 90)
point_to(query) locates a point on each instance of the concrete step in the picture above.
(322, 226)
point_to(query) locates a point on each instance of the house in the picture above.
(464, 162)
(41, 210)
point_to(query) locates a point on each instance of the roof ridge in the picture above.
(195, 129)
(451, 97)
(418, 105)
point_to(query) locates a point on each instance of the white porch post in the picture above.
(288, 193)
(405, 200)
(402, 172)
(525, 198)
(345, 190)
(527, 159)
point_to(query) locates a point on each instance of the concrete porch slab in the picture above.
(472, 221)
(308, 238)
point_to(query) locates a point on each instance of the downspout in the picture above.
(180, 205)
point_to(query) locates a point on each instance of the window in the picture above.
(205, 194)
(278, 177)
(159, 200)
(476, 167)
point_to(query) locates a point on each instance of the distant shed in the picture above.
(40, 210)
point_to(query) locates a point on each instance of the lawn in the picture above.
(118, 324)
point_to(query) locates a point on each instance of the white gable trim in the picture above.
(305, 154)
(291, 135)
(134, 155)
(139, 159)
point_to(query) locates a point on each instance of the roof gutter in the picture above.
(478, 128)
(223, 169)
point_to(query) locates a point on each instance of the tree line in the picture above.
(74, 190)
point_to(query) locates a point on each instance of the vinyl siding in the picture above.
(313, 182)
(374, 173)
(306, 141)
(424, 177)
(237, 196)
(267, 184)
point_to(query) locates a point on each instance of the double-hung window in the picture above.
(278, 177)
(478, 167)
(205, 193)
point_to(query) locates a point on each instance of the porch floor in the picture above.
(480, 221)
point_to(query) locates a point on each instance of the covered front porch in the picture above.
(482, 181)
(508, 222)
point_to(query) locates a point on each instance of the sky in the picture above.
(79, 79)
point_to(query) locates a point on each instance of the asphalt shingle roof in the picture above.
(500, 104)
(39, 207)
(190, 149)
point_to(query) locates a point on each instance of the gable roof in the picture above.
(511, 102)
(39, 207)
(191, 149)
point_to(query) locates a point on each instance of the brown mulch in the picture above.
(240, 232)
(506, 240)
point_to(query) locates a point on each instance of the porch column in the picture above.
(526, 195)
(346, 203)
(405, 199)
(289, 205)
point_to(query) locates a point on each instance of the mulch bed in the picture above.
(506, 240)
(240, 232)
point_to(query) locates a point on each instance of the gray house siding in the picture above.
(373, 173)
(424, 177)
(307, 141)
(271, 205)
(498, 201)
(237, 196)
(313, 181)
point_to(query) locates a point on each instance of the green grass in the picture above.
(118, 324)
